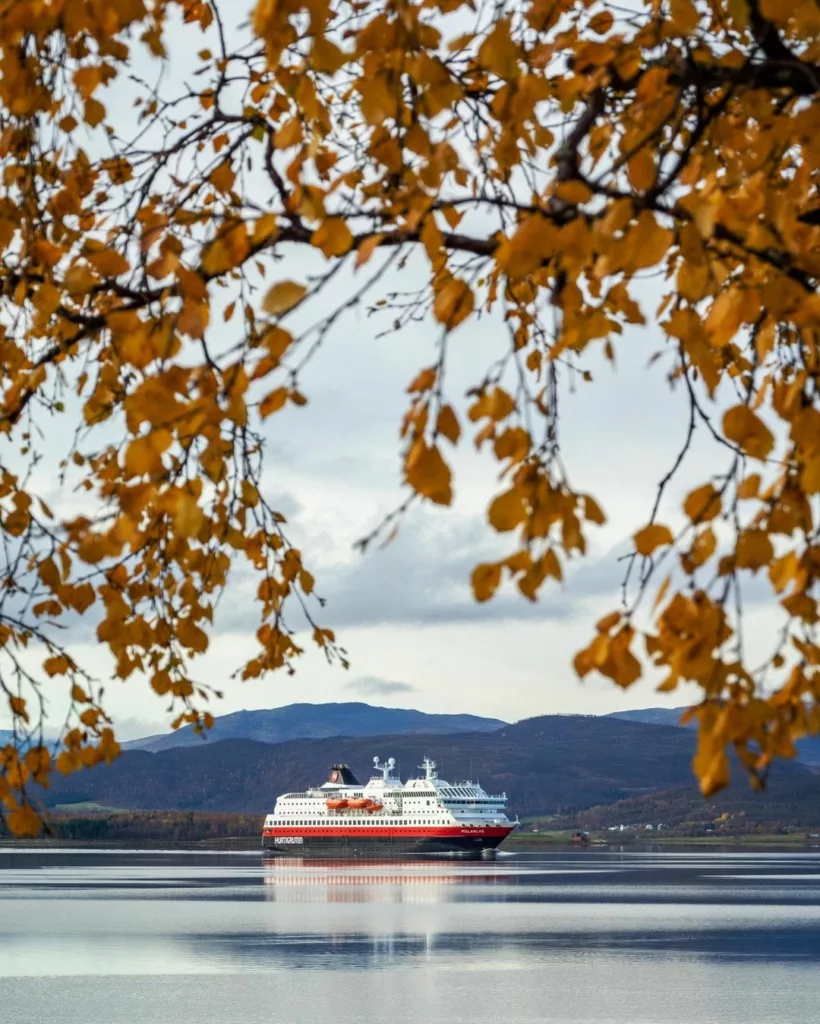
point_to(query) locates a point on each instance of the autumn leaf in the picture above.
(702, 504)
(56, 665)
(748, 431)
(447, 424)
(333, 237)
(283, 296)
(651, 537)
(273, 402)
(754, 550)
(485, 580)
(428, 474)
(454, 303)
(507, 511)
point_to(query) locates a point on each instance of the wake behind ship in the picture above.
(387, 817)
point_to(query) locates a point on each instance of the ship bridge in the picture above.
(466, 801)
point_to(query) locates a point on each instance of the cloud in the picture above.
(374, 686)
(423, 579)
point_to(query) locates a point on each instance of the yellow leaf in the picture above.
(702, 504)
(507, 511)
(223, 177)
(703, 546)
(326, 56)
(684, 17)
(574, 192)
(144, 454)
(109, 262)
(754, 550)
(783, 570)
(485, 580)
(653, 536)
(749, 487)
(18, 707)
(191, 636)
(453, 303)
(333, 237)
(648, 242)
(641, 170)
(711, 765)
(277, 341)
(608, 622)
(447, 424)
(273, 402)
(428, 474)
(593, 511)
(227, 250)
(161, 682)
(423, 380)
(24, 821)
(188, 517)
(290, 134)
(748, 432)
(57, 665)
(94, 112)
(366, 249)
(284, 295)
(602, 22)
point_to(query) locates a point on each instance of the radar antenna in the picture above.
(385, 769)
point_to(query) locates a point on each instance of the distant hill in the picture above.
(651, 716)
(548, 765)
(790, 800)
(808, 748)
(316, 721)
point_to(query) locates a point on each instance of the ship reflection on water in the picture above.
(366, 880)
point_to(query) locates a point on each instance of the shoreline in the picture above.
(524, 844)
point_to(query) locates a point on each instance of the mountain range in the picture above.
(552, 765)
(316, 721)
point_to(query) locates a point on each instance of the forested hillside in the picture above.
(547, 765)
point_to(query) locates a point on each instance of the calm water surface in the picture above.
(580, 936)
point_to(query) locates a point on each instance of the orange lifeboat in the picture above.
(375, 807)
(359, 803)
(336, 805)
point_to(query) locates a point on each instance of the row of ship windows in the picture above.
(349, 821)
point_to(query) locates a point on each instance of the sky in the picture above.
(406, 616)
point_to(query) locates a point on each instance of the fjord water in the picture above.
(600, 937)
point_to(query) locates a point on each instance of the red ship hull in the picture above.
(458, 841)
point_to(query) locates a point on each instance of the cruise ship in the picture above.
(387, 817)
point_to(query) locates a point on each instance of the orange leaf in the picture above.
(333, 237)
(284, 295)
(366, 249)
(273, 402)
(702, 504)
(57, 665)
(485, 580)
(289, 134)
(653, 536)
(447, 424)
(748, 432)
(428, 474)
(641, 170)
(754, 550)
(454, 303)
(507, 511)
